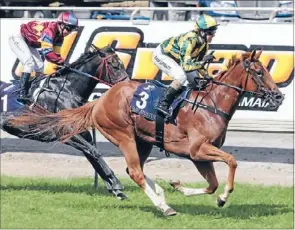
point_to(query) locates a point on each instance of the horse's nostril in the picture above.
(278, 97)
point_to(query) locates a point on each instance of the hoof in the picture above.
(175, 184)
(220, 203)
(122, 196)
(170, 212)
(119, 195)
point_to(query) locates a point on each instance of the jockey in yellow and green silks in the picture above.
(185, 53)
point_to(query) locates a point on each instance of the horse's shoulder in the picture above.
(132, 84)
(196, 93)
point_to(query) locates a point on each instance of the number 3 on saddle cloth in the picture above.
(146, 98)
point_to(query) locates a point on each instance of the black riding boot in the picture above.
(166, 100)
(24, 88)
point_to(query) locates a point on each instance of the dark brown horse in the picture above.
(196, 135)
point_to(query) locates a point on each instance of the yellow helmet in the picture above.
(206, 23)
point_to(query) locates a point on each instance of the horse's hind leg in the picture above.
(207, 171)
(144, 149)
(130, 151)
(92, 154)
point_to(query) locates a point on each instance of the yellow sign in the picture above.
(279, 63)
(137, 55)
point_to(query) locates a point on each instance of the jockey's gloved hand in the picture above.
(207, 77)
(59, 67)
(66, 65)
(208, 58)
(60, 62)
(62, 65)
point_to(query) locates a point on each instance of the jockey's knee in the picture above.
(29, 65)
(39, 67)
(181, 78)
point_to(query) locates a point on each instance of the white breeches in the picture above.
(28, 56)
(169, 66)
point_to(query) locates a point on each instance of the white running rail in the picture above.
(134, 10)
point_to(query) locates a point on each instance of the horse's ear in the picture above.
(110, 49)
(253, 55)
(257, 56)
(95, 47)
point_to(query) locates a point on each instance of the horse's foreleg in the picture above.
(187, 191)
(207, 171)
(208, 152)
(151, 189)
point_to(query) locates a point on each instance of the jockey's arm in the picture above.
(187, 62)
(202, 71)
(50, 52)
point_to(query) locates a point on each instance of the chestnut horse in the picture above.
(196, 135)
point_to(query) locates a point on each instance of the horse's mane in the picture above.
(235, 59)
(84, 56)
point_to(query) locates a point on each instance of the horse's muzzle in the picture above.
(274, 98)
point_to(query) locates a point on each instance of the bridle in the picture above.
(104, 62)
(108, 70)
(256, 77)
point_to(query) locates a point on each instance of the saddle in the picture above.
(146, 98)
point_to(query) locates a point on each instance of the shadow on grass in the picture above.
(238, 211)
(62, 188)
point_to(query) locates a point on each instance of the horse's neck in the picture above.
(85, 85)
(226, 98)
(36, 82)
(79, 85)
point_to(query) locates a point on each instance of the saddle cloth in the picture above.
(8, 96)
(146, 98)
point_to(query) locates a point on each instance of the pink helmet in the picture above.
(68, 19)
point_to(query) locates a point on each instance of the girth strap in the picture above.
(160, 131)
(224, 115)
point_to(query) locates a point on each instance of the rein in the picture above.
(99, 79)
(226, 116)
(74, 65)
(72, 68)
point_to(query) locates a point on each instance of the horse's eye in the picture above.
(115, 63)
(260, 73)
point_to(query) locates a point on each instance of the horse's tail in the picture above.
(65, 123)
